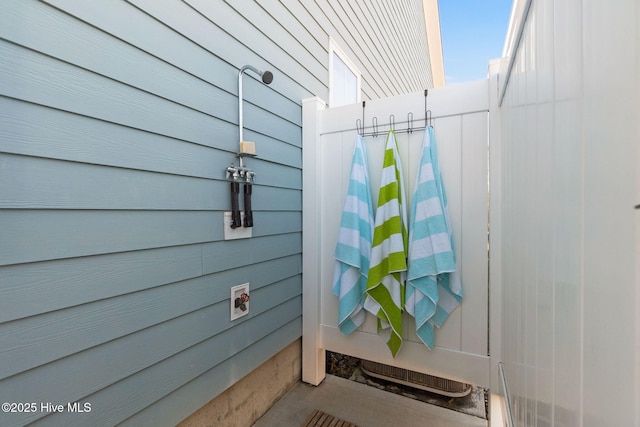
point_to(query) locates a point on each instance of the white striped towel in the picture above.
(385, 287)
(354, 244)
(433, 285)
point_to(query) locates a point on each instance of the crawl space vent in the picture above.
(419, 380)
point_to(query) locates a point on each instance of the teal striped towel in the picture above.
(433, 285)
(354, 244)
(385, 287)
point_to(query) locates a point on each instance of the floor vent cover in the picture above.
(321, 419)
(416, 379)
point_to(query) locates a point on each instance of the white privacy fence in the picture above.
(460, 119)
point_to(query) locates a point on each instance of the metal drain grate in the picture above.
(318, 418)
(416, 379)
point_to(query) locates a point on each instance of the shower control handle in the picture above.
(248, 213)
(236, 220)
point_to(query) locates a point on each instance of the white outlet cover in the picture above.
(235, 233)
(236, 291)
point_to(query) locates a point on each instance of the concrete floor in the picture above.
(362, 405)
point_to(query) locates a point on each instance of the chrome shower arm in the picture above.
(240, 98)
(267, 77)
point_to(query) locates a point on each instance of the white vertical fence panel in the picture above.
(449, 140)
(460, 122)
(313, 355)
(495, 236)
(569, 136)
(474, 232)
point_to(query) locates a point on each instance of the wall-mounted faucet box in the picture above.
(239, 301)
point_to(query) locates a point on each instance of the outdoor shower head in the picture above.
(267, 78)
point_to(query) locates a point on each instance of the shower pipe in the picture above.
(242, 171)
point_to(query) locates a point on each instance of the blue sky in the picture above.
(473, 32)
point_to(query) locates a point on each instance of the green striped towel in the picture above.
(388, 264)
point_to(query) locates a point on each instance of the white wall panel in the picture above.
(570, 265)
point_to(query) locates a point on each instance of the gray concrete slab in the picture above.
(360, 404)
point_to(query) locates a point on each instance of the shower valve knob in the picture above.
(241, 301)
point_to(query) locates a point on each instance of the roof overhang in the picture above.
(434, 39)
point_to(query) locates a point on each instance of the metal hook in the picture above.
(409, 122)
(392, 122)
(374, 122)
(427, 112)
(359, 123)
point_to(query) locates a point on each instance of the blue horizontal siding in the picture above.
(115, 132)
(192, 396)
(88, 140)
(131, 380)
(86, 186)
(41, 235)
(70, 88)
(37, 340)
(70, 282)
(117, 121)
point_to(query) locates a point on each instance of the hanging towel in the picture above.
(354, 244)
(385, 287)
(433, 285)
